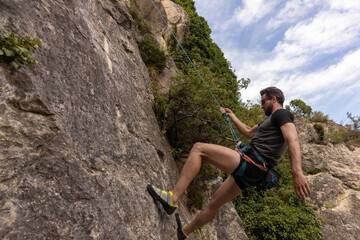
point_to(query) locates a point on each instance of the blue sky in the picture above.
(308, 48)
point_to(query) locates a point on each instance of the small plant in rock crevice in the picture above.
(16, 50)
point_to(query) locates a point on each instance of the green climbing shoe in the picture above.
(180, 229)
(165, 198)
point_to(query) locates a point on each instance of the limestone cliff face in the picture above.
(79, 140)
(78, 137)
(335, 189)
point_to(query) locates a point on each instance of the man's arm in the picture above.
(248, 132)
(300, 183)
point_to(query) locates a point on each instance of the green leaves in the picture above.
(194, 115)
(151, 53)
(320, 131)
(277, 213)
(15, 50)
(299, 108)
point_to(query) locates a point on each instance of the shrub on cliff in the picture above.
(151, 53)
(320, 131)
(318, 116)
(277, 213)
(15, 50)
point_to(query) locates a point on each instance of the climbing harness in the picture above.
(247, 169)
(241, 148)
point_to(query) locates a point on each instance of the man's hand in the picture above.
(227, 110)
(301, 186)
(247, 131)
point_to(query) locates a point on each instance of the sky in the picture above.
(310, 49)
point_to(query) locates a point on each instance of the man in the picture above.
(269, 139)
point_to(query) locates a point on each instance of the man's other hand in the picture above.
(301, 186)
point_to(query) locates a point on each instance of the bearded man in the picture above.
(269, 141)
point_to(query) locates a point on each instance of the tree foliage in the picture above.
(355, 122)
(151, 53)
(354, 137)
(193, 115)
(320, 131)
(299, 108)
(201, 49)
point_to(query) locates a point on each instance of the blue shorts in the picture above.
(251, 175)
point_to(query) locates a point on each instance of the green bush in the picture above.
(319, 117)
(277, 213)
(320, 131)
(339, 135)
(15, 50)
(151, 53)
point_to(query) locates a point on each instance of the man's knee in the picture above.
(198, 147)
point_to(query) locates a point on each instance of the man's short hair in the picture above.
(274, 91)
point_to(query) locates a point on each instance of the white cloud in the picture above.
(303, 45)
(332, 78)
(252, 11)
(336, 81)
(345, 4)
(327, 32)
(293, 11)
(210, 9)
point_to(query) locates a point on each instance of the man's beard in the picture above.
(269, 109)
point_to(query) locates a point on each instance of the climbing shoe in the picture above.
(165, 198)
(180, 229)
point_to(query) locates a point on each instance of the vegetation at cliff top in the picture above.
(15, 50)
(327, 129)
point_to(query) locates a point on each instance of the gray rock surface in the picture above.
(78, 137)
(336, 188)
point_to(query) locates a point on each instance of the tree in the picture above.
(355, 125)
(299, 108)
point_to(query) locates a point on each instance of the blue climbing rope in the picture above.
(224, 114)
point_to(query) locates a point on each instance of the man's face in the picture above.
(266, 105)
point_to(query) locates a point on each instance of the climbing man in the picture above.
(269, 140)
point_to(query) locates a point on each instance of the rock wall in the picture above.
(335, 183)
(79, 140)
(78, 137)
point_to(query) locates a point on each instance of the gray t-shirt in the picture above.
(268, 140)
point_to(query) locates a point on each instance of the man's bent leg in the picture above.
(225, 193)
(224, 158)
